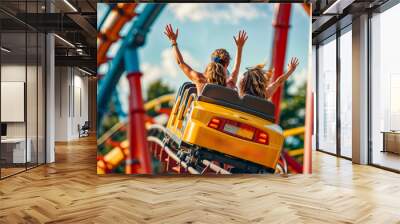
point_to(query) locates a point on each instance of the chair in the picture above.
(84, 129)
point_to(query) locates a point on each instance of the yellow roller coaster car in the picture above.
(225, 127)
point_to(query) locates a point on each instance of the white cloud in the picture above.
(167, 69)
(167, 66)
(233, 12)
(168, 62)
(150, 72)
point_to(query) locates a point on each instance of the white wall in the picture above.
(71, 94)
(16, 73)
(80, 100)
(33, 127)
(61, 103)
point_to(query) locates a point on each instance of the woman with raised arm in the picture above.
(240, 40)
(257, 82)
(216, 71)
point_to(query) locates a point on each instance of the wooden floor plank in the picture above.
(69, 191)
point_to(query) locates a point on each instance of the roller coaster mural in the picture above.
(203, 134)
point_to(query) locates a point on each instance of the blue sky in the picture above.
(205, 27)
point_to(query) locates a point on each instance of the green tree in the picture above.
(293, 113)
(157, 89)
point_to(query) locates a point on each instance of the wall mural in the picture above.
(202, 88)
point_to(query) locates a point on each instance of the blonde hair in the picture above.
(269, 75)
(254, 81)
(215, 73)
(221, 56)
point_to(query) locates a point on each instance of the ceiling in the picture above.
(72, 20)
(331, 15)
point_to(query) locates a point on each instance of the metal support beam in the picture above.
(337, 7)
(84, 24)
(50, 22)
(79, 61)
(138, 159)
(281, 24)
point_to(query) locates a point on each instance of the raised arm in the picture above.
(271, 88)
(189, 72)
(240, 40)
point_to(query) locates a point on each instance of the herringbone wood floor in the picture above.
(69, 191)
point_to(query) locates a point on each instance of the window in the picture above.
(22, 77)
(385, 88)
(346, 93)
(327, 96)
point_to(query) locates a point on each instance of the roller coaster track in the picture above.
(152, 104)
(158, 101)
(111, 25)
(168, 154)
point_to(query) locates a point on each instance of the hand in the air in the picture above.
(240, 39)
(169, 32)
(294, 62)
